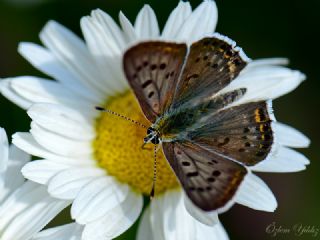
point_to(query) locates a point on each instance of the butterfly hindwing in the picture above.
(243, 133)
(211, 65)
(210, 180)
(152, 70)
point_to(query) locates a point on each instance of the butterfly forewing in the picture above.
(211, 65)
(209, 180)
(152, 69)
(242, 133)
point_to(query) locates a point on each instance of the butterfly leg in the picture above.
(143, 146)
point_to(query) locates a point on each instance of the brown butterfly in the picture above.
(207, 142)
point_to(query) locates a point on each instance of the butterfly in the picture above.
(208, 140)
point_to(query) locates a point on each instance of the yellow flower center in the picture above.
(117, 148)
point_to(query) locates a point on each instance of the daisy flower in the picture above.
(22, 203)
(95, 161)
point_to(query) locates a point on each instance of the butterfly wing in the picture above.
(152, 70)
(212, 63)
(210, 180)
(242, 133)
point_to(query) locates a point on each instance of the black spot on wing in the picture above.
(146, 83)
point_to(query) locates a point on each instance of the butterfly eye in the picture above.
(155, 140)
(150, 130)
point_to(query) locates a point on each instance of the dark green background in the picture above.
(271, 28)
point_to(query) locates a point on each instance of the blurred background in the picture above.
(286, 28)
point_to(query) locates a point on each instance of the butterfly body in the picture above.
(207, 138)
(172, 125)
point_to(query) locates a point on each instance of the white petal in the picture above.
(17, 156)
(9, 93)
(12, 178)
(26, 142)
(111, 28)
(165, 211)
(146, 24)
(108, 60)
(170, 220)
(4, 150)
(177, 222)
(41, 171)
(29, 206)
(283, 160)
(34, 89)
(18, 201)
(67, 183)
(33, 219)
(288, 136)
(71, 231)
(62, 120)
(266, 82)
(100, 37)
(144, 229)
(59, 144)
(207, 218)
(45, 61)
(74, 55)
(254, 193)
(116, 221)
(156, 219)
(176, 19)
(216, 232)
(201, 22)
(97, 198)
(127, 27)
(267, 62)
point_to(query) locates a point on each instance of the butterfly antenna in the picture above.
(121, 116)
(154, 173)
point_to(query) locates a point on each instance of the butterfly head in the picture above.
(152, 136)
